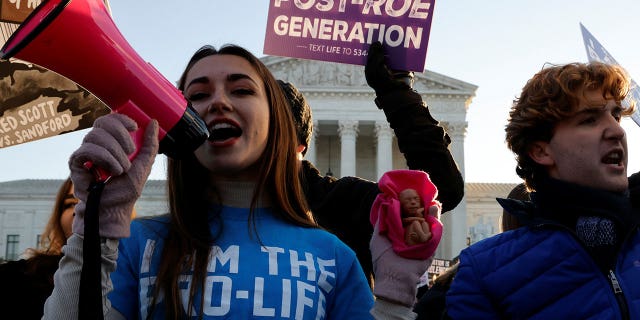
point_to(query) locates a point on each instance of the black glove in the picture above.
(382, 79)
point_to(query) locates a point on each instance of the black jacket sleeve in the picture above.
(342, 207)
(424, 143)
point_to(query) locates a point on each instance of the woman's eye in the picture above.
(243, 91)
(197, 96)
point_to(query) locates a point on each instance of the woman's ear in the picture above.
(299, 149)
(539, 153)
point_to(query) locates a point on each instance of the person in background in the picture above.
(422, 141)
(239, 240)
(28, 282)
(509, 221)
(578, 253)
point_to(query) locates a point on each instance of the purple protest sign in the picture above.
(342, 30)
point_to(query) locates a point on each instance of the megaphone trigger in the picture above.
(99, 174)
(102, 175)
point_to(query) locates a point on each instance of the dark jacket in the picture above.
(26, 284)
(431, 304)
(634, 189)
(543, 270)
(342, 206)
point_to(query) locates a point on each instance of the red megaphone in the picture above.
(79, 40)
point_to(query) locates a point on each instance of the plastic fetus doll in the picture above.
(416, 228)
(404, 208)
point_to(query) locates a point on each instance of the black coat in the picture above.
(634, 189)
(342, 206)
(26, 284)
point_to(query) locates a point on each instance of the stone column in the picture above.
(384, 158)
(348, 131)
(311, 155)
(454, 237)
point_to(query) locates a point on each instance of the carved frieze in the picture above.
(319, 74)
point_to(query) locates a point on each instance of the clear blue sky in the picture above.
(496, 45)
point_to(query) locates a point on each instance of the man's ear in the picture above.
(539, 153)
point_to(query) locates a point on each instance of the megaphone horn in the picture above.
(79, 40)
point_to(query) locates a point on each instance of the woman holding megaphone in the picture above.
(239, 240)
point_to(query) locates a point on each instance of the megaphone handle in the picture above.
(90, 301)
(102, 175)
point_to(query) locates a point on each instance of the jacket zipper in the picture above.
(613, 280)
(617, 290)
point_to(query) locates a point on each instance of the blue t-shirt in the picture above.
(286, 271)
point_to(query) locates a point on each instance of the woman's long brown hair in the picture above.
(53, 237)
(190, 239)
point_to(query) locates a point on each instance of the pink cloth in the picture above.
(386, 210)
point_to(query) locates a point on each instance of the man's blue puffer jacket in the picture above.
(542, 272)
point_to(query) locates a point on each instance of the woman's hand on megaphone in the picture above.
(108, 146)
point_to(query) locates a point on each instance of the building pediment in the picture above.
(321, 76)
